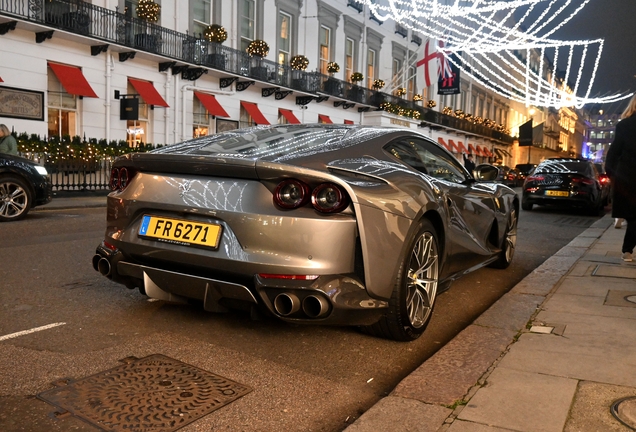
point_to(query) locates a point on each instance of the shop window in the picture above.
(137, 130)
(62, 109)
(201, 119)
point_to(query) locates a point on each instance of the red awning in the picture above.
(211, 104)
(289, 115)
(148, 92)
(348, 122)
(480, 151)
(323, 118)
(72, 80)
(474, 150)
(255, 113)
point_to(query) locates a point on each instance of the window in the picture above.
(200, 120)
(130, 8)
(137, 130)
(62, 109)
(427, 158)
(201, 14)
(247, 23)
(349, 50)
(371, 67)
(396, 71)
(325, 44)
(410, 84)
(284, 37)
(245, 119)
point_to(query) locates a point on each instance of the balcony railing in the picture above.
(416, 39)
(357, 5)
(109, 26)
(401, 30)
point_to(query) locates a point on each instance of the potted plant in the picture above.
(332, 85)
(258, 49)
(299, 63)
(356, 93)
(215, 34)
(378, 97)
(147, 11)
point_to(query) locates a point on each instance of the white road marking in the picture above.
(33, 330)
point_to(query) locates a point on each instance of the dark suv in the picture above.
(565, 181)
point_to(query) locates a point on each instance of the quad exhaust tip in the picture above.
(315, 306)
(102, 265)
(286, 304)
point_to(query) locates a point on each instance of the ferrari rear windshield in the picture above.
(274, 142)
(562, 167)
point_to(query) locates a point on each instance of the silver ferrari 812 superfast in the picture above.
(324, 224)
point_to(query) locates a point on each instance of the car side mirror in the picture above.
(486, 173)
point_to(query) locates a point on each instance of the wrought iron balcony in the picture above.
(357, 5)
(401, 30)
(416, 39)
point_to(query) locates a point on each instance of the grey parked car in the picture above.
(328, 224)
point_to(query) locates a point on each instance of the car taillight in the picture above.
(329, 198)
(583, 180)
(535, 178)
(120, 178)
(114, 179)
(291, 194)
(604, 178)
(326, 197)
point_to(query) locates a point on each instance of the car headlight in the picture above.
(41, 170)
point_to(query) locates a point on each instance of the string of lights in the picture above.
(499, 31)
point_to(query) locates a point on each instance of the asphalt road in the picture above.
(303, 378)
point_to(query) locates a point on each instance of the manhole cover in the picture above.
(624, 410)
(155, 393)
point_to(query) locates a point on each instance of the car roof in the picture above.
(282, 143)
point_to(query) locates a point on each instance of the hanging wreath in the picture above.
(378, 84)
(299, 62)
(417, 97)
(215, 33)
(401, 91)
(333, 67)
(258, 48)
(431, 104)
(148, 10)
(356, 77)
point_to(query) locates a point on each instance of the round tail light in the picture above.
(123, 178)
(291, 194)
(329, 198)
(114, 179)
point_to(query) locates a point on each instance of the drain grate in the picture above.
(155, 393)
(624, 410)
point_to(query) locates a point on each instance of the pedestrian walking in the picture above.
(621, 167)
(469, 163)
(8, 144)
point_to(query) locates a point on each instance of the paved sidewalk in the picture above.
(553, 354)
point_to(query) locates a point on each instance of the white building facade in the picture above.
(69, 66)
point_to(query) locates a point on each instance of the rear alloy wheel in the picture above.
(15, 198)
(509, 243)
(411, 303)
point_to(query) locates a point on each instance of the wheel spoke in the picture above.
(421, 286)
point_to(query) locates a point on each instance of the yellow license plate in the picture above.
(557, 193)
(178, 231)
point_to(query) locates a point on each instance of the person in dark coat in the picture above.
(620, 165)
(469, 163)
